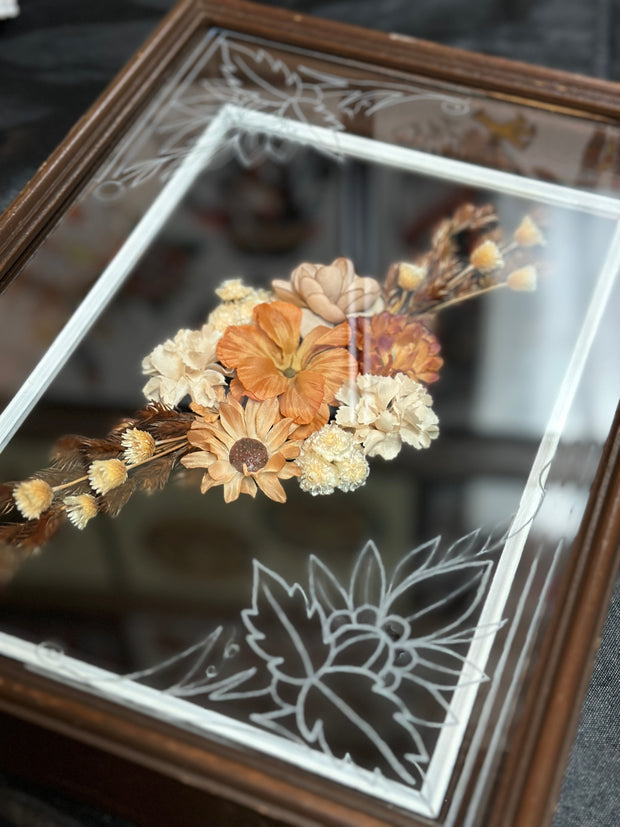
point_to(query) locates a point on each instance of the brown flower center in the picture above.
(248, 452)
(289, 373)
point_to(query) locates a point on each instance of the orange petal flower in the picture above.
(389, 343)
(271, 361)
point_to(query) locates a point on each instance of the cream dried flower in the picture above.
(330, 458)
(33, 497)
(186, 364)
(232, 290)
(385, 411)
(106, 474)
(486, 257)
(523, 280)
(80, 509)
(237, 306)
(331, 291)
(528, 233)
(139, 446)
(410, 276)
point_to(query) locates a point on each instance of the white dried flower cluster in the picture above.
(331, 458)
(185, 365)
(385, 411)
(238, 302)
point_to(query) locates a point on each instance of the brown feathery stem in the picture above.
(170, 450)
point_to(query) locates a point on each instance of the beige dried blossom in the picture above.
(33, 497)
(486, 257)
(80, 508)
(330, 458)
(385, 411)
(331, 291)
(106, 474)
(523, 280)
(244, 449)
(239, 301)
(139, 446)
(528, 234)
(184, 365)
(410, 276)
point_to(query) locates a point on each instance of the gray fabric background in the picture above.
(58, 55)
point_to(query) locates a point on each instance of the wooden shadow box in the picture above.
(414, 646)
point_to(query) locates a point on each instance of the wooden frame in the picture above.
(533, 767)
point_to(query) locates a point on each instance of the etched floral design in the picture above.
(364, 670)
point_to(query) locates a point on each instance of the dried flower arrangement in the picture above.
(307, 380)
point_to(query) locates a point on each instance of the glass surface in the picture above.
(378, 637)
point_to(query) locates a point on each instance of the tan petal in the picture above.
(270, 485)
(222, 471)
(322, 305)
(273, 465)
(198, 459)
(248, 486)
(283, 291)
(265, 415)
(232, 488)
(277, 435)
(231, 419)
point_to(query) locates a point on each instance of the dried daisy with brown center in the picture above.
(244, 449)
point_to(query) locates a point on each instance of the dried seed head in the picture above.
(410, 276)
(139, 446)
(486, 257)
(80, 509)
(523, 280)
(528, 233)
(106, 474)
(33, 497)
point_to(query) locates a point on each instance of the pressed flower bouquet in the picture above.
(310, 379)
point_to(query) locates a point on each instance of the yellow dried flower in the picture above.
(528, 233)
(486, 257)
(233, 290)
(523, 280)
(139, 446)
(33, 497)
(411, 276)
(238, 311)
(80, 509)
(106, 474)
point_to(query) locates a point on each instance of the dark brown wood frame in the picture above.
(45, 721)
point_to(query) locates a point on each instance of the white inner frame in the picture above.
(428, 801)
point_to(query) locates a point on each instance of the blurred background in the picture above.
(56, 57)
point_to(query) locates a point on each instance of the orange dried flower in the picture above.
(389, 343)
(271, 362)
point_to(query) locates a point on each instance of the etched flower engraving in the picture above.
(364, 670)
(259, 77)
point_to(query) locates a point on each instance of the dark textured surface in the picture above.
(58, 56)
